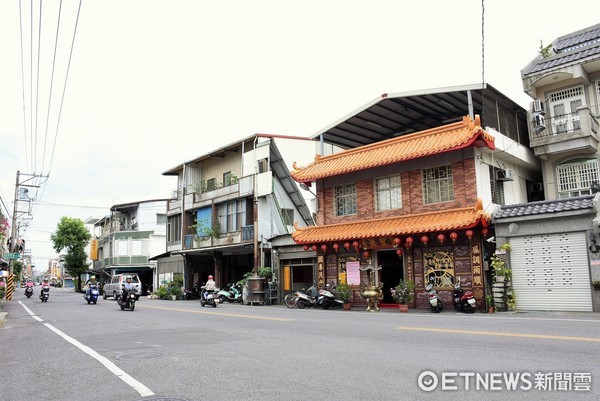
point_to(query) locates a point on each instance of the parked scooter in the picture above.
(308, 298)
(435, 302)
(231, 293)
(129, 302)
(194, 293)
(45, 294)
(326, 298)
(208, 298)
(91, 296)
(28, 292)
(464, 301)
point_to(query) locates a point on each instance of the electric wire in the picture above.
(37, 84)
(51, 83)
(23, 83)
(483, 62)
(65, 86)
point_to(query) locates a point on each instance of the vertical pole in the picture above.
(255, 212)
(13, 227)
(183, 230)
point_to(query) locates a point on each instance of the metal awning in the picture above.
(395, 114)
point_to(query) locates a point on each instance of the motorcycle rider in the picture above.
(28, 284)
(45, 283)
(209, 286)
(88, 286)
(127, 286)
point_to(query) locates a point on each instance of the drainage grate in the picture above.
(139, 355)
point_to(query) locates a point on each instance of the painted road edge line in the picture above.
(136, 385)
(499, 334)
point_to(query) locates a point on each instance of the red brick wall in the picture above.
(465, 195)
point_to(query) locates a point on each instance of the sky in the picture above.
(150, 84)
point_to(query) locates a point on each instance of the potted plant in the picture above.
(501, 270)
(403, 294)
(489, 300)
(342, 291)
(176, 291)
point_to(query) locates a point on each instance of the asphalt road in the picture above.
(68, 350)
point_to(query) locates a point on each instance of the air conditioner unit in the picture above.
(538, 123)
(505, 175)
(537, 107)
(536, 187)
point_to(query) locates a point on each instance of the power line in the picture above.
(40, 203)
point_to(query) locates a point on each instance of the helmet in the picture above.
(93, 278)
(210, 277)
(45, 279)
(128, 278)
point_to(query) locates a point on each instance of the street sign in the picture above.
(14, 256)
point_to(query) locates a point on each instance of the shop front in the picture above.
(446, 244)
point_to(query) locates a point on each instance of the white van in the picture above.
(113, 287)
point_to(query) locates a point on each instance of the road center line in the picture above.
(500, 334)
(136, 385)
(278, 319)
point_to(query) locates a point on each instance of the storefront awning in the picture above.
(439, 221)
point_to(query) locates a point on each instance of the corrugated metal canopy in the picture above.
(396, 114)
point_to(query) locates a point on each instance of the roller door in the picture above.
(551, 272)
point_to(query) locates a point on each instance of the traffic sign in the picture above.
(14, 255)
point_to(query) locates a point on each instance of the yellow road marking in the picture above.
(216, 313)
(495, 333)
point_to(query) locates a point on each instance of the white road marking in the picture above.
(136, 385)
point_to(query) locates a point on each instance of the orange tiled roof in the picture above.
(444, 220)
(433, 141)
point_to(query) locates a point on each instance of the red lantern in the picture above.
(408, 242)
(399, 252)
(484, 232)
(425, 239)
(347, 245)
(355, 244)
(366, 254)
(469, 234)
(305, 247)
(441, 237)
(336, 247)
(324, 248)
(314, 248)
(397, 241)
(453, 236)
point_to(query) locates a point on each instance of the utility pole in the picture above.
(13, 227)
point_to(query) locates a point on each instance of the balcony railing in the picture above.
(565, 132)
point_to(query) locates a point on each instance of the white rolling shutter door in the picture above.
(551, 272)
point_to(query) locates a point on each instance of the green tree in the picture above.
(71, 236)
(17, 268)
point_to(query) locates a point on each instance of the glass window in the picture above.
(232, 215)
(388, 193)
(174, 228)
(575, 178)
(241, 214)
(438, 185)
(227, 179)
(161, 218)
(211, 184)
(345, 200)
(287, 216)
